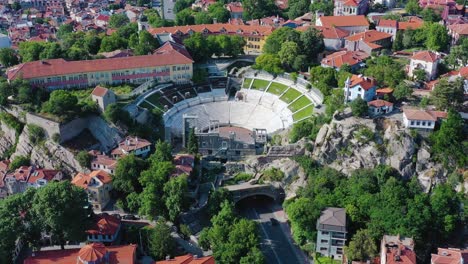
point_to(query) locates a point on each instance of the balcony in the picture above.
(338, 236)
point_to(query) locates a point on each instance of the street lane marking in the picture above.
(266, 235)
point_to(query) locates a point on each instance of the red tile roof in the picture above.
(99, 91)
(169, 46)
(461, 29)
(401, 255)
(130, 144)
(188, 259)
(369, 36)
(82, 180)
(45, 174)
(386, 90)
(344, 21)
(215, 29)
(57, 67)
(104, 225)
(427, 56)
(387, 23)
(412, 22)
(416, 114)
(235, 7)
(4, 165)
(339, 58)
(331, 32)
(117, 255)
(379, 103)
(93, 252)
(365, 82)
(450, 256)
(350, 3)
(183, 164)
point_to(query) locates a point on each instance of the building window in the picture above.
(325, 233)
(323, 241)
(424, 123)
(418, 123)
(323, 249)
(412, 123)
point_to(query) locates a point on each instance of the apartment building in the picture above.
(255, 36)
(171, 62)
(331, 232)
(98, 185)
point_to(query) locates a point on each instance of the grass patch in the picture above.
(326, 260)
(260, 84)
(240, 177)
(277, 88)
(82, 94)
(247, 82)
(290, 95)
(306, 112)
(121, 89)
(146, 105)
(299, 104)
(154, 99)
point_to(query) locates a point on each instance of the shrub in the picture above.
(242, 177)
(359, 107)
(19, 161)
(12, 122)
(273, 174)
(84, 159)
(36, 134)
(56, 137)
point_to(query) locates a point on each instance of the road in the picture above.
(276, 243)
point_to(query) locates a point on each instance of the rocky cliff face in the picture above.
(351, 143)
(47, 155)
(7, 138)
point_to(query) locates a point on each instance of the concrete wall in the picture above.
(50, 127)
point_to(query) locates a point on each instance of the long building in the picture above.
(254, 36)
(171, 62)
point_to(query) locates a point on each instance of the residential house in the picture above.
(412, 22)
(102, 162)
(255, 36)
(102, 20)
(168, 63)
(360, 86)
(352, 24)
(387, 26)
(421, 119)
(333, 37)
(105, 229)
(352, 58)
(235, 9)
(184, 164)
(397, 250)
(91, 253)
(29, 176)
(387, 3)
(457, 31)
(350, 7)
(40, 177)
(188, 259)
(384, 92)
(202, 4)
(331, 232)
(379, 107)
(98, 185)
(369, 41)
(424, 60)
(272, 21)
(450, 256)
(103, 97)
(132, 145)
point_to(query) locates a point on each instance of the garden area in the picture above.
(290, 95)
(306, 112)
(260, 84)
(300, 103)
(277, 88)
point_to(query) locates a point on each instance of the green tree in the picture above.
(185, 17)
(302, 212)
(50, 51)
(202, 18)
(218, 12)
(30, 50)
(297, 8)
(163, 152)
(412, 7)
(448, 143)
(255, 9)
(216, 199)
(161, 243)
(127, 173)
(146, 43)
(60, 103)
(276, 39)
(52, 205)
(359, 107)
(8, 57)
(288, 53)
(174, 195)
(113, 42)
(458, 54)
(398, 42)
(323, 78)
(402, 91)
(19, 161)
(192, 144)
(118, 20)
(36, 134)
(64, 30)
(448, 94)
(25, 94)
(269, 62)
(437, 36)
(198, 47)
(324, 6)
(430, 15)
(361, 247)
(385, 70)
(419, 75)
(445, 208)
(84, 158)
(312, 43)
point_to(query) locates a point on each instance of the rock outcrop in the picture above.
(7, 138)
(47, 154)
(351, 143)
